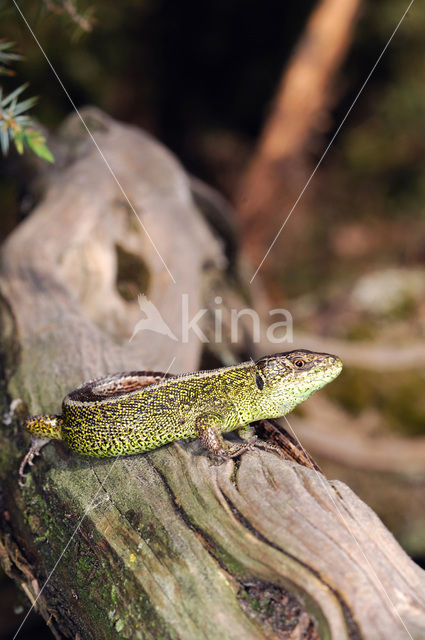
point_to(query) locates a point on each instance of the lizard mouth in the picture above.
(336, 367)
(321, 370)
(328, 368)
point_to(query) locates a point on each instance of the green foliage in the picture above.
(15, 124)
(6, 57)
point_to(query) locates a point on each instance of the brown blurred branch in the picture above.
(278, 169)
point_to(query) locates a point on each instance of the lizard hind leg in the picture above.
(42, 429)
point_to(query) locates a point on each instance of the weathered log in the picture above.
(166, 544)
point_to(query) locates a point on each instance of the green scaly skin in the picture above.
(129, 413)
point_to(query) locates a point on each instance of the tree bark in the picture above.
(165, 544)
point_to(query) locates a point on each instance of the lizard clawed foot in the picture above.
(235, 450)
(28, 459)
(238, 449)
(271, 448)
(213, 440)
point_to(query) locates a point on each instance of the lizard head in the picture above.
(290, 378)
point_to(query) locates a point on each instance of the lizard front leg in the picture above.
(210, 433)
(209, 430)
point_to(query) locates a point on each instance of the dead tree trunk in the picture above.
(280, 166)
(162, 545)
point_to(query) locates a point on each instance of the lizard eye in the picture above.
(299, 363)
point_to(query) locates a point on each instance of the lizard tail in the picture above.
(49, 426)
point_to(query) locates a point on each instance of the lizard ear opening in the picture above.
(259, 381)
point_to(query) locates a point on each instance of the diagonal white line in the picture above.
(89, 508)
(375, 576)
(332, 141)
(111, 171)
(63, 552)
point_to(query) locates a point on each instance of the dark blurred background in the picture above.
(202, 78)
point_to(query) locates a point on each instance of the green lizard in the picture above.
(129, 413)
